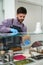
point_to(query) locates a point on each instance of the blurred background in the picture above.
(34, 11)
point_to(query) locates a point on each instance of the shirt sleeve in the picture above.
(25, 29)
(7, 23)
(3, 27)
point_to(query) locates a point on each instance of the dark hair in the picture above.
(21, 10)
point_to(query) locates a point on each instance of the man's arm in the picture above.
(5, 26)
(7, 23)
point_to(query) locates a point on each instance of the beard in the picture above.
(20, 20)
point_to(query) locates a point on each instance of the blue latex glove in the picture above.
(26, 42)
(14, 31)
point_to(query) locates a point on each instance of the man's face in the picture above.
(21, 17)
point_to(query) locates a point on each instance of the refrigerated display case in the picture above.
(30, 46)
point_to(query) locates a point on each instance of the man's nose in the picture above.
(22, 17)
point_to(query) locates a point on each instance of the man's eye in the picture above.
(20, 16)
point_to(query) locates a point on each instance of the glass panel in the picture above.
(19, 42)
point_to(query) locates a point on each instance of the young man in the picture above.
(7, 24)
(20, 16)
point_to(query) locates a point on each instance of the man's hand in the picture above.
(25, 37)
